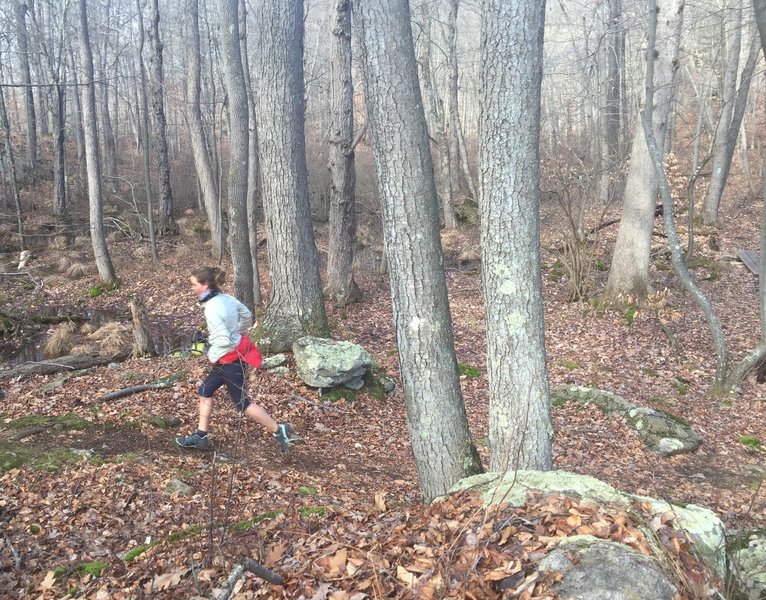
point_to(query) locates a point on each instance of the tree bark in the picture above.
(341, 286)
(721, 153)
(253, 175)
(143, 341)
(239, 140)
(167, 224)
(145, 145)
(296, 307)
(12, 182)
(441, 440)
(95, 198)
(520, 429)
(200, 151)
(22, 38)
(629, 273)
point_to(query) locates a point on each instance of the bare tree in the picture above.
(629, 272)
(22, 39)
(519, 403)
(341, 287)
(234, 79)
(441, 440)
(296, 307)
(95, 197)
(167, 224)
(12, 182)
(199, 147)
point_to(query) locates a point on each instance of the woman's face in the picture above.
(197, 287)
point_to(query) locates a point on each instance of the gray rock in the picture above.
(281, 371)
(176, 486)
(594, 569)
(325, 363)
(606, 401)
(703, 528)
(747, 558)
(663, 433)
(272, 362)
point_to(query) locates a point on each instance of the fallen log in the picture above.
(133, 390)
(65, 363)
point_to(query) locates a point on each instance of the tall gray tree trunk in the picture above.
(441, 440)
(79, 135)
(629, 273)
(107, 133)
(341, 286)
(722, 131)
(12, 181)
(22, 39)
(253, 175)
(167, 224)
(239, 140)
(612, 109)
(296, 307)
(145, 145)
(95, 197)
(200, 150)
(520, 428)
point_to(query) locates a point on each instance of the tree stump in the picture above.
(143, 341)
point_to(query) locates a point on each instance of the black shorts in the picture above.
(233, 375)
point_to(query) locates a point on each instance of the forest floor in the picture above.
(340, 516)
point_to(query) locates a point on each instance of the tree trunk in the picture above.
(199, 145)
(239, 140)
(721, 153)
(95, 198)
(341, 287)
(12, 182)
(167, 224)
(520, 429)
(441, 440)
(143, 341)
(629, 273)
(22, 38)
(253, 176)
(655, 150)
(612, 109)
(144, 127)
(296, 307)
(79, 135)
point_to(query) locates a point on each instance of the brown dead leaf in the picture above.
(380, 502)
(165, 581)
(275, 554)
(47, 583)
(405, 576)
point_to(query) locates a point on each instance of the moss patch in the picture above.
(750, 441)
(308, 511)
(15, 454)
(67, 421)
(92, 568)
(468, 371)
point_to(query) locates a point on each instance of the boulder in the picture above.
(606, 401)
(747, 559)
(663, 433)
(594, 569)
(703, 528)
(326, 363)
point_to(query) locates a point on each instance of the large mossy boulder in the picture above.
(325, 363)
(606, 401)
(702, 527)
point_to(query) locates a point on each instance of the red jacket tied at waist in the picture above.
(245, 351)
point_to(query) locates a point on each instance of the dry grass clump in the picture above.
(142, 252)
(87, 328)
(61, 340)
(81, 241)
(63, 264)
(84, 349)
(77, 270)
(115, 236)
(59, 242)
(113, 337)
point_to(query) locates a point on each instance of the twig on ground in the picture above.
(20, 435)
(16, 556)
(317, 404)
(254, 567)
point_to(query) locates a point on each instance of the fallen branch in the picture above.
(16, 556)
(65, 363)
(317, 404)
(20, 435)
(133, 390)
(247, 564)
